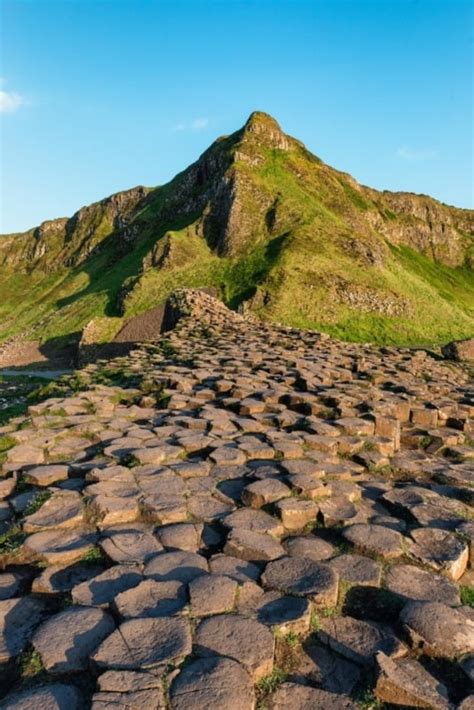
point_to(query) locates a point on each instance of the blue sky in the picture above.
(98, 96)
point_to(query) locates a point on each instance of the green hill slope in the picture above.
(273, 228)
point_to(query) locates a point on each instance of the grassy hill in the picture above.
(274, 229)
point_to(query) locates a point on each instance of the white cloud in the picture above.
(9, 100)
(414, 155)
(197, 124)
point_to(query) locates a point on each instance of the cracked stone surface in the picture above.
(249, 499)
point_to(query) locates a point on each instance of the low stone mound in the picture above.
(459, 350)
(197, 305)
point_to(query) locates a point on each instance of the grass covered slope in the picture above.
(277, 231)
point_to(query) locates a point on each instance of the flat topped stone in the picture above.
(256, 520)
(252, 546)
(145, 643)
(240, 570)
(328, 670)
(438, 629)
(295, 514)
(66, 641)
(282, 613)
(63, 510)
(309, 547)
(181, 536)
(56, 696)
(151, 599)
(303, 697)
(357, 569)
(375, 539)
(102, 590)
(57, 547)
(263, 492)
(212, 683)
(10, 585)
(58, 580)
(130, 546)
(46, 475)
(413, 583)
(440, 550)
(303, 578)
(357, 640)
(180, 566)
(18, 620)
(406, 682)
(212, 594)
(244, 640)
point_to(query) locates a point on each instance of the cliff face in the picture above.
(266, 222)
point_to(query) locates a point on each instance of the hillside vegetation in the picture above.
(274, 229)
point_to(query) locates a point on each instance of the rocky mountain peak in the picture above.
(265, 130)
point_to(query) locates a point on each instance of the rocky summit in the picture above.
(269, 226)
(240, 515)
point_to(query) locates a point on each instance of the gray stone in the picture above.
(309, 547)
(18, 620)
(303, 697)
(357, 640)
(437, 629)
(358, 570)
(66, 641)
(102, 590)
(145, 643)
(212, 684)
(180, 566)
(284, 614)
(440, 550)
(324, 668)
(56, 696)
(406, 682)
(303, 578)
(375, 539)
(212, 594)
(151, 599)
(252, 546)
(413, 583)
(244, 640)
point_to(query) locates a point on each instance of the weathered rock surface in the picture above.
(242, 498)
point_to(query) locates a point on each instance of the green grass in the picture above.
(301, 237)
(467, 595)
(35, 504)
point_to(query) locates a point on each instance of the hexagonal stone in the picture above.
(63, 510)
(357, 569)
(206, 508)
(310, 547)
(77, 632)
(374, 539)
(440, 550)
(129, 689)
(228, 456)
(256, 520)
(128, 546)
(303, 697)
(295, 514)
(233, 567)
(357, 640)
(101, 590)
(285, 614)
(212, 594)
(263, 492)
(413, 583)
(152, 599)
(212, 684)
(56, 696)
(182, 536)
(180, 566)
(18, 620)
(337, 511)
(438, 629)
(326, 669)
(60, 547)
(406, 682)
(244, 640)
(59, 580)
(46, 475)
(145, 643)
(252, 546)
(303, 578)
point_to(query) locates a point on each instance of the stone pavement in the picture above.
(241, 515)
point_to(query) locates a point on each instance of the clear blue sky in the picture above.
(98, 96)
